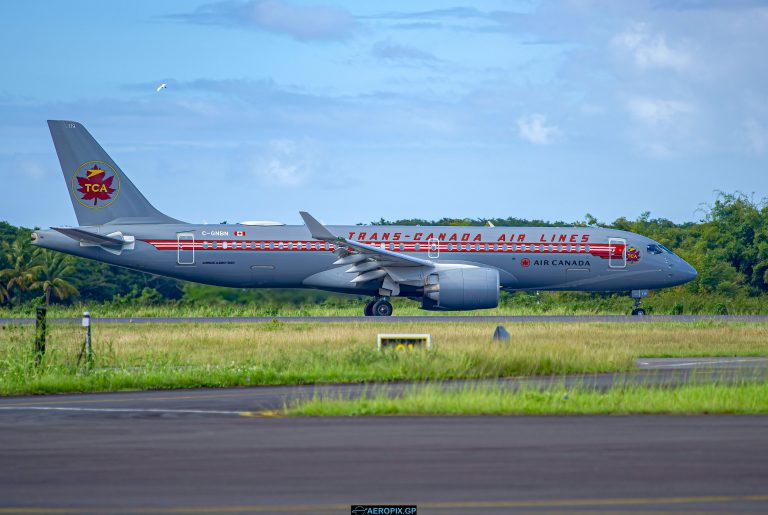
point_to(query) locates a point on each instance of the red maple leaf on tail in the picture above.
(94, 186)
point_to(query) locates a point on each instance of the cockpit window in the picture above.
(657, 248)
(654, 249)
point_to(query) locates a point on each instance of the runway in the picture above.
(218, 451)
(403, 319)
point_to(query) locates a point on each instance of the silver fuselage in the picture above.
(243, 256)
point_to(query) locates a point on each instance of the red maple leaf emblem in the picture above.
(94, 186)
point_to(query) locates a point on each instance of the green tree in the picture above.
(19, 267)
(52, 273)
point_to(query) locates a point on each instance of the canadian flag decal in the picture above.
(239, 233)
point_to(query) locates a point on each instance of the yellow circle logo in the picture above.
(95, 184)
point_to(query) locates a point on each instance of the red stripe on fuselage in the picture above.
(601, 250)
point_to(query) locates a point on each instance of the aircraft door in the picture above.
(433, 248)
(617, 253)
(185, 248)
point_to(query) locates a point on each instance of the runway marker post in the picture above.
(40, 330)
(87, 350)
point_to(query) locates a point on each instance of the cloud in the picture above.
(757, 136)
(655, 111)
(455, 18)
(283, 163)
(451, 12)
(651, 50)
(390, 51)
(533, 128)
(720, 5)
(276, 16)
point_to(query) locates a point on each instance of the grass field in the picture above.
(147, 356)
(674, 301)
(748, 398)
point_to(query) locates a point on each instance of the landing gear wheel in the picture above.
(637, 295)
(368, 310)
(382, 308)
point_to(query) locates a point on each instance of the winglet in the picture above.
(316, 229)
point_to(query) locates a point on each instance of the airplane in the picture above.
(443, 268)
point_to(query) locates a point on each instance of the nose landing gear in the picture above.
(379, 307)
(637, 295)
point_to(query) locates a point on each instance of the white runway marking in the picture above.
(124, 410)
(702, 362)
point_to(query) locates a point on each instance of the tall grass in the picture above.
(189, 355)
(671, 301)
(744, 398)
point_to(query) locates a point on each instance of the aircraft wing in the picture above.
(369, 262)
(89, 237)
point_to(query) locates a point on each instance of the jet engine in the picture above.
(461, 288)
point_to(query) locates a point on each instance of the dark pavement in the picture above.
(217, 464)
(217, 451)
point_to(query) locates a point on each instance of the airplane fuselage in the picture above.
(546, 258)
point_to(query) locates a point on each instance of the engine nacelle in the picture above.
(462, 288)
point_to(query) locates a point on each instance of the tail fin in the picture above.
(100, 192)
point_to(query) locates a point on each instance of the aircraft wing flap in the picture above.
(386, 257)
(370, 262)
(84, 236)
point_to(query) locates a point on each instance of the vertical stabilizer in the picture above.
(100, 191)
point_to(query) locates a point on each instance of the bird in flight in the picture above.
(162, 86)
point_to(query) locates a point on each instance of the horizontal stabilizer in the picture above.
(89, 237)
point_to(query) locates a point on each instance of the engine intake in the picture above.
(461, 288)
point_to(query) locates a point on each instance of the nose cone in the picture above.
(686, 271)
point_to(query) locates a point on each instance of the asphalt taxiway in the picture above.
(219, 451)
(402, 319)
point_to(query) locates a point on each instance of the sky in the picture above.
(356, 111)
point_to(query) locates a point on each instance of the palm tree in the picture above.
(51, 273)
(19, 272)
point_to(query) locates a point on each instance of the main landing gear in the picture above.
(637, 295)
(378, 308)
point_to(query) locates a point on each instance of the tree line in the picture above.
(728, 246)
